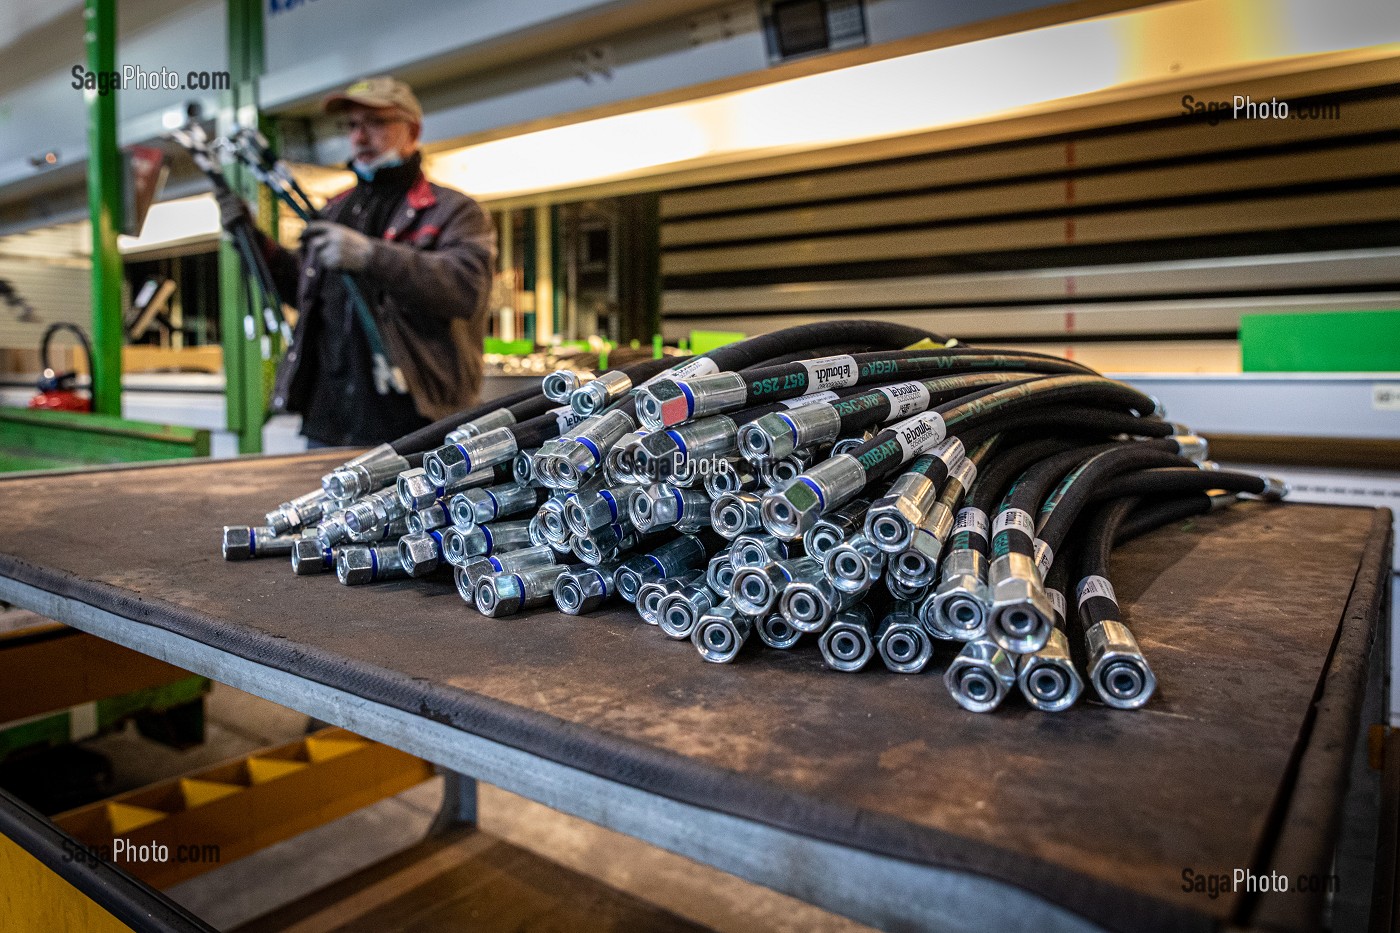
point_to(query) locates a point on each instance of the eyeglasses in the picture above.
(374, 124)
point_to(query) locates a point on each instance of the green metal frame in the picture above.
(246, 358)
(36, 439)
(105, 210)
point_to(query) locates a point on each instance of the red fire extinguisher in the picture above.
(56, 389)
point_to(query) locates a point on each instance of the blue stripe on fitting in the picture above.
(465, 454)
(659, 566)
(612, 503)
(592, 449)
(680, 503)
(680, 442)
(252, 543)
(521, 604)
(436, 535)
(791, 427)
(495, 503)
(327, 557)
(821, 499)
(490, 544)
(373, 564)
(689, 398)
(496, 564)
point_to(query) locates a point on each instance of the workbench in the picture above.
(873, 795)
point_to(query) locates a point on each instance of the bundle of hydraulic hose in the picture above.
(857, 488)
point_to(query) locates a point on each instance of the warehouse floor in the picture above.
(489, 880)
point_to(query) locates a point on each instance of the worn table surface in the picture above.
(1095, 810)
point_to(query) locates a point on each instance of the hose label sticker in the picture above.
(1044, 557)
(831, 372)
(966, 474)
(1092, 586)
(1057, 599)
(972, 520)
(1014, 520)
(920, 433)
(699, 366)
(566, 417)
(813, 399)
(906, 398)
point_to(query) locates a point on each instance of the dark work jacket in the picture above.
(428, 284)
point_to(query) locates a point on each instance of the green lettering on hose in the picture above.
(1001, 545)
(873, 458)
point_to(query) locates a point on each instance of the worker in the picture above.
(422, 255)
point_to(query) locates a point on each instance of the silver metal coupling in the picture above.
(301, 512)
(1192, 446)
(809, 602)
(730, 475)
(981, 676)
(848, 643)
(505, 594)
(618, 461)
(826, 486)
(496, 418)
(1048, 679)
(671, 559)
(460, 545)
(891, 519)
(777, 632)
(358, 564)
(560, 384)
(373, 511)
(719, 573)
(244, 543)
(650, 594)
(662, 505)
(594, 508)
(754, 590)
(360, 479)
(900, 590)
(1274, 489)
(421, 554)
(1022, 615)
(453, 463)
(904, 645)
(853, 566)
(665, 402)
(478, 568)
(736, 513)
(917, 564)
(426, 519)
(566, 463)
(1117, 668)
(583, 589)
(678, 612)
(384, 453)
(663, 453)
(497, 502)
(604, 544)
(835, 527)
(780, 433)
(721, 632)
(551, 521)
(308, 557)
(593, 397)
(962, 603)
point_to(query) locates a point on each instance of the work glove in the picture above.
(232, 210)
(336, 246)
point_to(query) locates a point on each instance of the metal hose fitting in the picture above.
(719, 573)
(847, 444)
(562, 383)
(835, 527)
(981, 676)
(904, 591)
(848, 643)
(917, 564)
(374, 511)
(1192, 446)
(662, 505)
(736, 513)
(891, 519)
(496, 418)
(460, 545)
(650, 594)
(244, 543)
(497, 502)
(453, 463)
(575, 457)
(961, 605)
(551, 516)
(595, 507)
(593, 397)
(1117, 668)
(584, 589)
(1048, 679)
(301, 512)
(662, 453)
(618, 462)
(730, 476)
(426, 519)
(351, 482)
(828, 485)
(776, 435)
(777, 632)
(478, 568)
(505, 594)
(810, 602)
(756, 550)
(853, 566)
(383, 454)
(666, 402)
(358, 564)
(669, 560)
(421, 554)
(308, 557)
(604, 544)
(903, 643)
(1021, 616)
(679, 612)
(720, 633)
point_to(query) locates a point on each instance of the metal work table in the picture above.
(872, 795)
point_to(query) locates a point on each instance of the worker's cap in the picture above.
(379, 93)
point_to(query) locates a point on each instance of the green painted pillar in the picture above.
(104, 209)
(247, 358)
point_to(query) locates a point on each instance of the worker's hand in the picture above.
(232, 210)
(336, 246)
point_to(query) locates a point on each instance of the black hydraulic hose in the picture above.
(1071, 421)
(1098, 603)
(971, 530)
(764, 347)
(1151, 515)
(1013, 530)
(1182, 479)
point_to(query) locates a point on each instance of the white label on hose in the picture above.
(920, 433)
(813, 399)
(1044, 557)
(1093, 586)
(699, 366)
(1014, 520)
(831, 372)
(1057, 599)
(972, 520)
(966, 474)
(566, 417)
(906, 398)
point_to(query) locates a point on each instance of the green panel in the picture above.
(1325, 342)
(51, 730)
(509, 347)
(114, 709)
(104, 174)
(52, 438)
(703, 341)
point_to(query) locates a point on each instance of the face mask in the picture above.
(367, 170)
